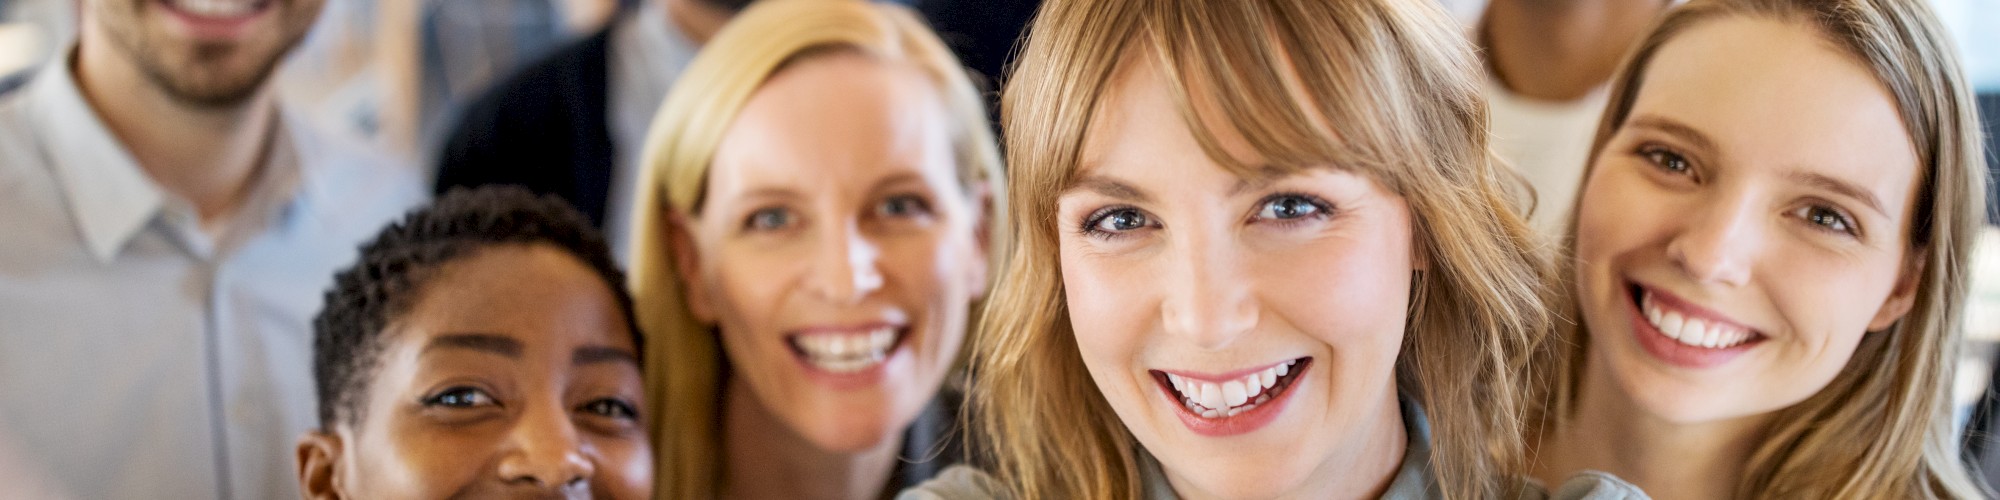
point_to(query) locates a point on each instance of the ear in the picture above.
(687, 265)
(319, 465)
(1904, 296)
(982, 239)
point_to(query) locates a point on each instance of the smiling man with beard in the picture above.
(169, 229)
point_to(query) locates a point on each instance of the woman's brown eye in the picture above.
(1666, 160)
(611, 408)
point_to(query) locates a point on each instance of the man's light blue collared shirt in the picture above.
(140, 356)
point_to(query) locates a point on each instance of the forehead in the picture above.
(1137, 125)
(537, 294)
(838, 115)
(1778, 93)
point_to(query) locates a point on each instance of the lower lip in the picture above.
(854, 380)
(1240, 423)
(1671, 351)
(215, 28)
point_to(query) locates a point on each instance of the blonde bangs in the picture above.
(1386, 88)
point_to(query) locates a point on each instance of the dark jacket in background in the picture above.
(544, 128)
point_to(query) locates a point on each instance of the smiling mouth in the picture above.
(1689, 328)
(1220, 400)
(847, 351)
(217, 9)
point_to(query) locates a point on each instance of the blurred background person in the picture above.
(169, 228)
(1766, 259)
(815, 230)
(572, 124)
(1547, 64)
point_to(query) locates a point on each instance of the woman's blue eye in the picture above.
(768, 219)
(611, 408)
(903, 206)
(460, 397)
(1666, 159)
(1284, 207)
(1117, 220)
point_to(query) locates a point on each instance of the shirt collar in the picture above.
(108, 194)
(113, 199)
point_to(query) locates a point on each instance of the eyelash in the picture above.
(1848, 225)
(606, 407)
(442, 398)
(755, 221)
(1319, 210)
(1660, 156)
(611, 408)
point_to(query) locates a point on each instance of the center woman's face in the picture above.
(1245, 329)
(1746, 226)
(838, 250)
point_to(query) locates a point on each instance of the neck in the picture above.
(1668, 460)
(1561, 50)
(697, 19)
(206, 155)
(764, 458)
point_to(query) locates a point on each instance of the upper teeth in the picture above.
(216, 8)
(1690, 330)
(1213, 400)
(847, 352)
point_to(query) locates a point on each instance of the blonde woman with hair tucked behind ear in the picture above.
(1262, 251)
(1768, 258)
(811, 244)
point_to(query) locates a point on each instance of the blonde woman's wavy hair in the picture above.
(683, 356)
(1388, 88)
(1883, 427)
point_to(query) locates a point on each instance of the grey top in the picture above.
(1413, 480)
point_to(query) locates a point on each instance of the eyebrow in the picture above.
(1265, 176)
(594, 354)
(1676, 129)
(1110, 187)
(1838, 186)
(485, 342)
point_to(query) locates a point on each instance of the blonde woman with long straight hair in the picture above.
(1768, 258)
(811, 247)
(1261, 250)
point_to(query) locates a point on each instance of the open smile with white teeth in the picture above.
(1689, 329)
(1210, 399)
(849, 351)
(217, 8)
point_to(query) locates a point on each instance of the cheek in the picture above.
(1613, 213)
(1107, 308)
(411, 459)
(1352, 295)
(625, 468)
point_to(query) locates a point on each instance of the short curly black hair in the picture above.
(387, 278)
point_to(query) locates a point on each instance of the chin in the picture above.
(850, 432)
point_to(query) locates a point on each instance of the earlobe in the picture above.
(318, 464)
(1903, 298)
(687, 265)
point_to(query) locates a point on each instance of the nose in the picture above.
(1719, 243)
(846, 265)
(545, 452)
(1209, 301)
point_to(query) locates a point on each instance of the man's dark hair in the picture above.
(388, 277)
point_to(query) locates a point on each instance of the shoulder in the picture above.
(959, 482)
(352, 181)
